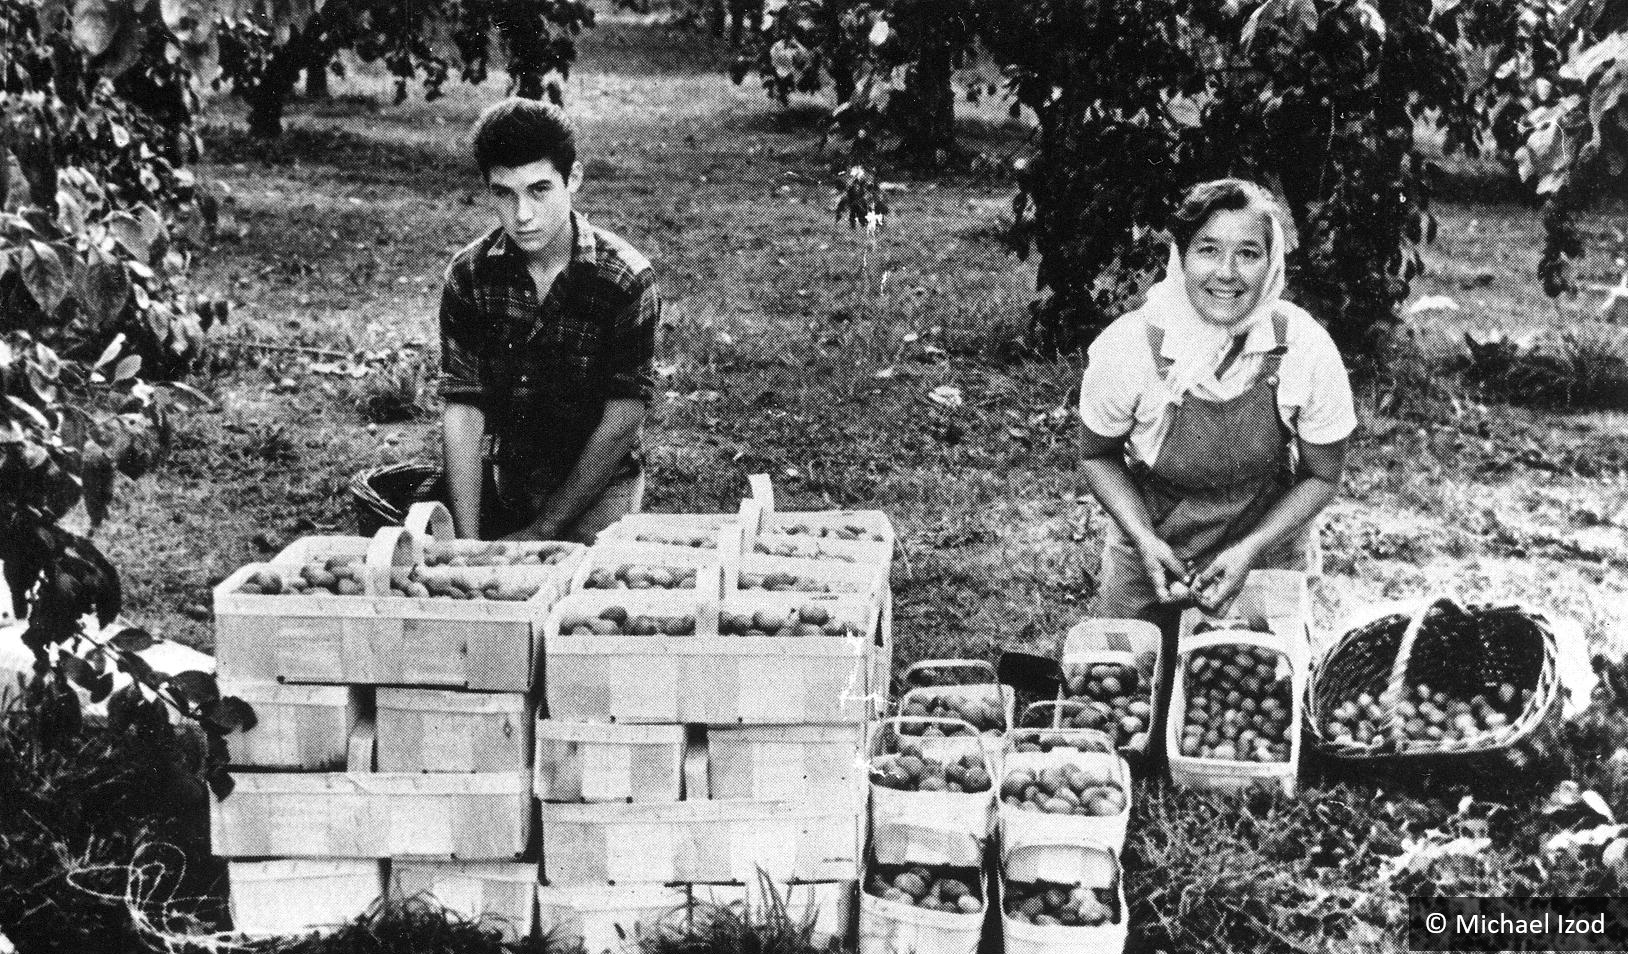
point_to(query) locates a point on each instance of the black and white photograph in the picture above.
(813, 476)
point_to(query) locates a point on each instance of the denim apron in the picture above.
(1222, 466)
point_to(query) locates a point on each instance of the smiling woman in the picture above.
(1215, 416)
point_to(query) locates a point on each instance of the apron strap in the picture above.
(1161, 363)
(1274, 358)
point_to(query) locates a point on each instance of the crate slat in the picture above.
(354, 815)
(434, 730)
(297, 727)
(297, 896)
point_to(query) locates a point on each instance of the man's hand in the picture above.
(1219, 583)
(1162, 566)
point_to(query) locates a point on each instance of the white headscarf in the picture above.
(1196, 345)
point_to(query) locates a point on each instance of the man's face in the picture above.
(533, 202)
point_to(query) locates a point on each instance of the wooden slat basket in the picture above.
(1232, 774)
(1049, 755)
(911, 824)
(1073, 866)
(1129, 643)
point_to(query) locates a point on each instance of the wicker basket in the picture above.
(381, 495)
(1469, 650)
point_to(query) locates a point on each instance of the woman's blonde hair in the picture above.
(1227, 195)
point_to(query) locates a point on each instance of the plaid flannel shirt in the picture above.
(542, 371)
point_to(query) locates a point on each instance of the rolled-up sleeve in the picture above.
(460, 381)
(1110, 387)
(630, 361)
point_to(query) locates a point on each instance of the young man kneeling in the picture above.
(548, 328)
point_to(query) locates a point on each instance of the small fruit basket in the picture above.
(930, 806)
(1235, 711)
(967, 690)
(1062, 898)
(1434, 682)
(1063, 785)
(1111, 666)
(921, 909)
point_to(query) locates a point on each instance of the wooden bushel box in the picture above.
(341, 815)
(827, 906)
(392, 640)
(697, 841)
(499, 894)
(816, 763)
(437, 730)
(297, 896)
(608, 918)
(298, 727)
(707, 678)
(599, 762)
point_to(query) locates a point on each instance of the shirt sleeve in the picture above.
(631, 348)
(1110, 388)
(1327, 412)
(460, 380)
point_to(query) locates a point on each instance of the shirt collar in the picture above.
(1262, 338)
(584, 247)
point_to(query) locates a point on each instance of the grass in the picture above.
(797, 347)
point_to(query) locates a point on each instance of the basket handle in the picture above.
(1404, 651)
(1056, 707)
(931, 665)
(762, 491)
(391, 547)
(1050, 872)
(1017, 735)
(432, 520)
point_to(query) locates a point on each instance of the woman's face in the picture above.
(1226, 265)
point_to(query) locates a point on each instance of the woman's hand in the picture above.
(1162, 565)
(1217, 585)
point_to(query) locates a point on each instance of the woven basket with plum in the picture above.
(1475, 686)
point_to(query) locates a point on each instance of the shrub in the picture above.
(1576, 370)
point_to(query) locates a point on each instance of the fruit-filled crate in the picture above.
(397, 622)
(680, 657)
(442, 730)
(826, 907)
(297, 728)
(1112, 668)
(1067, 897)
(292, 896)
(477, 817)
(607, 919)
(930, 804)
(959, 689)
(816, 762)
(1435, 682)
(1235, 711)
(922, 909)
(1063, 785)
(637, 566)
(609, 762)
(499, 894)
(698, 841)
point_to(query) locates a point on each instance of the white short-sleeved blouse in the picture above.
(1122, 395)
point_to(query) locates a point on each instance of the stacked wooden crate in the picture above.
(715, 757)
(393, 750)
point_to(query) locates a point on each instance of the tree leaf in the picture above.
(127, 230)
(132, 639)
(110, 352)
(96, 477)
(44, 275)
(129, 366)
(229, 714)
(76, 670)
(122, 706)
(103, 293)
(153, 231)
(95, 26)
(221, 782)
(194, 687)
